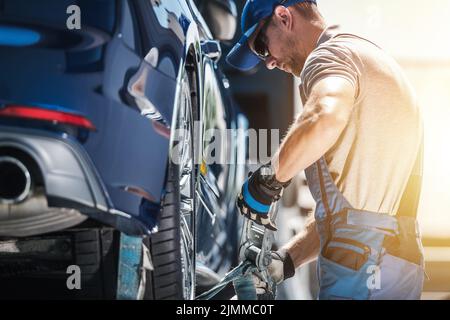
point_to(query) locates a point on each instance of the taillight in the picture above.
(36, 113)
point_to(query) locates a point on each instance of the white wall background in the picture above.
(407, 29)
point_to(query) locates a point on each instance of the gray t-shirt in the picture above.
(372, 160)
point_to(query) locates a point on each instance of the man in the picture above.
(359, 139)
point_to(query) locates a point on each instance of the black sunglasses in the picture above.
(260, 42)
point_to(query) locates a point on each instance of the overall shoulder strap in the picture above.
(410, 200)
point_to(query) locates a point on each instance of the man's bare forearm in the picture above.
(324, 118)
(309, 138)
(305, 246)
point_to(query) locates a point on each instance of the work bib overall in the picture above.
(366, 255)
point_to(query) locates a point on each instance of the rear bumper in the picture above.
(70, 178)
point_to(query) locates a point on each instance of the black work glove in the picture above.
(282, 267)
(258, 193)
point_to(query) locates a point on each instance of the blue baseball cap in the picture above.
(241, 56)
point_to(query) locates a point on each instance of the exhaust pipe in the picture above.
(15, 181)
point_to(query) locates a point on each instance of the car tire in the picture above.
(39, 271)
(169, 279)
(165, 282)
(96, 254)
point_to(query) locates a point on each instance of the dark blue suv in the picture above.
(92, 93)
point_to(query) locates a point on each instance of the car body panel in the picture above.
(122, 75)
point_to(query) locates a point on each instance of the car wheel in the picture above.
(173, 246)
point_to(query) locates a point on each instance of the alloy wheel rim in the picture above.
(187, 191)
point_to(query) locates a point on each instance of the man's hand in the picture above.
(280, 269)
(257, 195)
